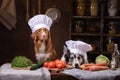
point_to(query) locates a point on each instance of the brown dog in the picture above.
(43, 45)
(40, 27)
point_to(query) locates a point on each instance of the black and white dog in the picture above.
(76, 60)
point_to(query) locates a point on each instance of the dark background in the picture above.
(19, 42)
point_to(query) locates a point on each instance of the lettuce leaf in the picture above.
(21, 62)
(102, 59)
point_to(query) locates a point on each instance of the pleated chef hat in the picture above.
(78, 47)
(40, 21)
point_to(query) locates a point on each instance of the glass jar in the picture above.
(79, 26)
(81, 7)
(112, 7)
(92, 28)
(111, 30)
(93, 8)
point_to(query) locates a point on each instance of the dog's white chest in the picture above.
(42, 48)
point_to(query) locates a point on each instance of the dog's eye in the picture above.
(72, 57)
(78, 57)
(45, 30)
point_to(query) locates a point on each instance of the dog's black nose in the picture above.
(76, 65)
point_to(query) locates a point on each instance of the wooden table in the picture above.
(54, 75)
(117, 77)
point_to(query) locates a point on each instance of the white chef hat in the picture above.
(40, 21)
(78, 47)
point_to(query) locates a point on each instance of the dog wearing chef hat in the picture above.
(40, 27)
(75, 53)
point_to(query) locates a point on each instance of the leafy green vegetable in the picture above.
(102, 59)
(21, 62)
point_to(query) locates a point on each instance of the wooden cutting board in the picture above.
(56, 70)
(17, 68)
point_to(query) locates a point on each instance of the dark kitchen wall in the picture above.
(18, 41)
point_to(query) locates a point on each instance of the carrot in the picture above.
(86, 65)
(86, 68)
(101, 64)
(96, 68)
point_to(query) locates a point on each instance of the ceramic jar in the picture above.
(81, 7)
(93, 8)
(112, 7)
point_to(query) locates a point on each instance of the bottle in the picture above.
(110, 45)
(81, 7)
(94, 8)
(116, 56)
(113, 63)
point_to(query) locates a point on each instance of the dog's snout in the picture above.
(44, 36)
(76, 65)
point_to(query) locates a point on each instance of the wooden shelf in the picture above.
(116, 35)
(102, 20)
(89, 17)
(111, 17)
(85, 34)
(97, 17)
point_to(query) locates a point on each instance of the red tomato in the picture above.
(51, 64)
(46, 64)
(57, 61)
(64, 64)
(59, 66)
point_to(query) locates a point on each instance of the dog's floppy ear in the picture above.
(66, 54)
(65, 50)
(33, 35)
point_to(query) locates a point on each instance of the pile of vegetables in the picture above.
(59, 64)
(21, 62)
(94, 67)
(101, 63)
